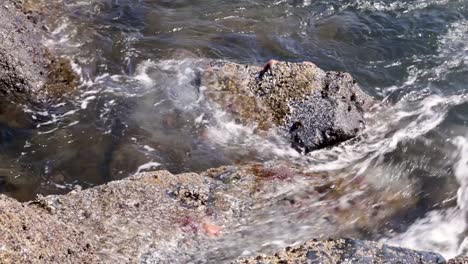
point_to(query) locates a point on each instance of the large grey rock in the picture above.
(314, 108)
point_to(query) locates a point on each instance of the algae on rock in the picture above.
(313, 108)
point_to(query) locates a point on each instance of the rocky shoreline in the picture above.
(159, 217)
(30, 76)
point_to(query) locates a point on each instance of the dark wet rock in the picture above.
(345, 251)
(29, 73)
(314, 108)
(215, 216)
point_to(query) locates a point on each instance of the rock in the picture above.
(458, 260)
(345, 251)
(29, 73)
(215, 216)
(313, 108)
(30, 236)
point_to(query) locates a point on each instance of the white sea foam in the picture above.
(148, 167)
(437, 232)
(386, 130)
(441, 230)
(403, 6)
(230, 134)
(453, 51)
(86, 101)
(142, 73)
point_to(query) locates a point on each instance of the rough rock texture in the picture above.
(314, 108)
(459, 260)
(213, 217)
(345, 251)
(29, 236)
(28, 72)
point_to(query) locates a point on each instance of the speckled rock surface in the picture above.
(211, 217)
(28, 72)
(30, 236)
(458, 260)
(345, 251)
(314, 108)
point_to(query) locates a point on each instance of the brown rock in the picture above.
(159, 217)
(313, 108)
(30, 236)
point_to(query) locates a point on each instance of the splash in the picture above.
(409, 119)
(443, 231)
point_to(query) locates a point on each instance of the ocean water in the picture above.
(137, 108)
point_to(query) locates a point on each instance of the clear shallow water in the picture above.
(137, 107)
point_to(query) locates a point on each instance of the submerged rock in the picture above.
(314, 108)
(346, 251)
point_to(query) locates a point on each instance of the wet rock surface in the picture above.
(32, 78)
(458, 260)
(313, 108)
(346, 251)
(29, 73)
(214, 217)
